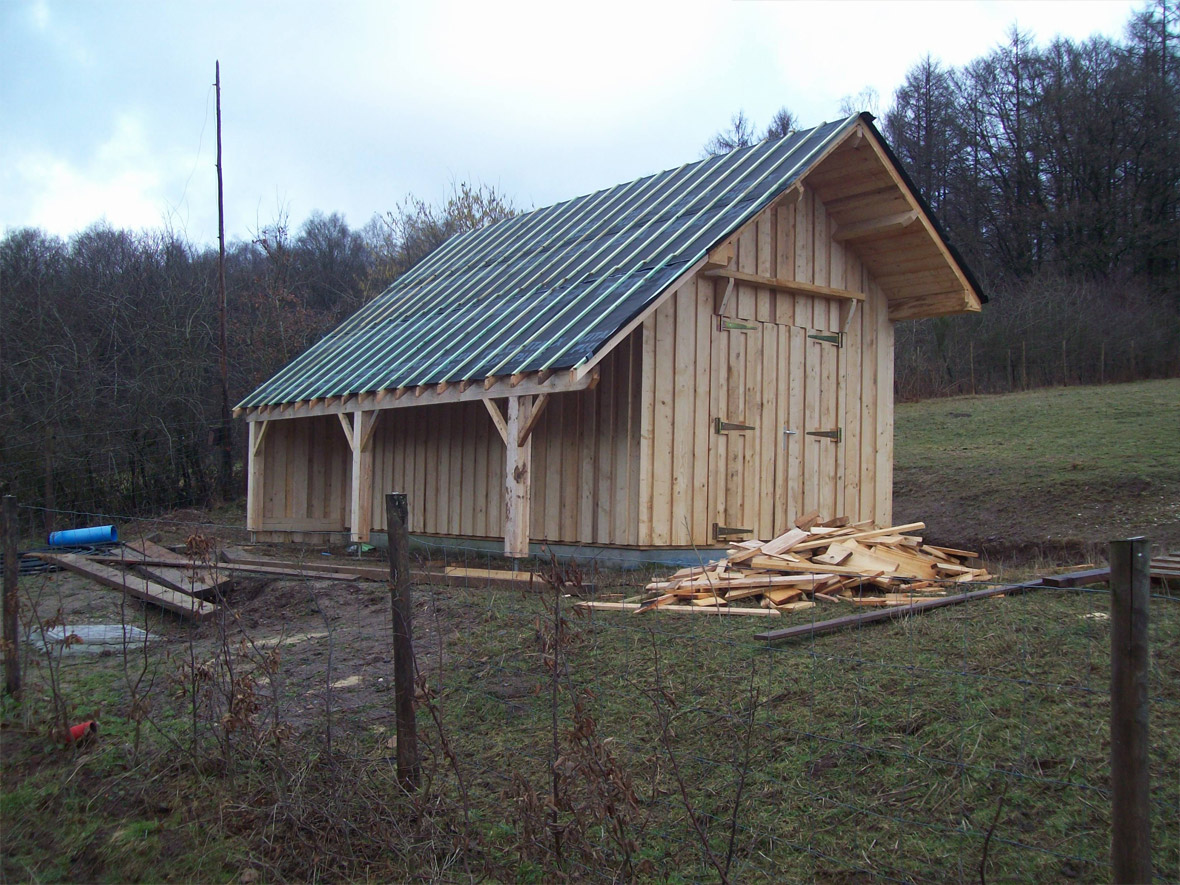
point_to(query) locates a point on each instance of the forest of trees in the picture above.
(1055, 170)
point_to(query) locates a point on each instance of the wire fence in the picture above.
(968, 744)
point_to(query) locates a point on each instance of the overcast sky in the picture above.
(107, 109)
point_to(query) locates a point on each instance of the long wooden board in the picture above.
(372, 572)
(891, 613)
(133, 585)
(681, 609)
(187, 575)
(291, 571)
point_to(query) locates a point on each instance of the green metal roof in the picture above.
(547, 289)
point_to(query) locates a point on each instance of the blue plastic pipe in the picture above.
(98, 534)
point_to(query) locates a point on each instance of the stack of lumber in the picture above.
(834, 562)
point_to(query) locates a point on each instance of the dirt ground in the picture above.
(333, 638)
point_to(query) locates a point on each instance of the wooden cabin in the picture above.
(697, 356)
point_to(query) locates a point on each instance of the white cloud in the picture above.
(120, 181)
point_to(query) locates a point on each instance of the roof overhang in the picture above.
(880, 215)
(530, 384)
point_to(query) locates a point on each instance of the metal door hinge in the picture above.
(720, 426)
(721, 532)
(836, 434)
(727, 325)
(837, 338)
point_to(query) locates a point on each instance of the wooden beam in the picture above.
(346, 425)
(257, 438)
(497, 419)
(559, 382)
(793, 287)
(720, 257)
(875, 226)
(517, 479)
(371, 425)
(680, 609)
(361, 504)
(889, 614)
(516, 378)
(256, 475)
(527, 430)
(295, 570)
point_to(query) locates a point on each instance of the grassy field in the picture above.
(1043, 474)
(969, 744)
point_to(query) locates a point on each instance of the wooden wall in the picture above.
(637, 460)
(449, 459)
(764, 369)
(307, 469)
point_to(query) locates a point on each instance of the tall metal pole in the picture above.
(226, 439)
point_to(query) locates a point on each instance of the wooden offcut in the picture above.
(834, 560)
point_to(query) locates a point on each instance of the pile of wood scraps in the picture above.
(858, 564)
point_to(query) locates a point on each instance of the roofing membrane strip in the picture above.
(547, 289)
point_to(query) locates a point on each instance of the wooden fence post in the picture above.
(397, 517)
(1130, 842)
(8, 528)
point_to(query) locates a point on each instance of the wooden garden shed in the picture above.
(699, 355)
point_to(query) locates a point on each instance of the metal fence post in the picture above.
(396, 522)
(8, 528)
(1130, 585)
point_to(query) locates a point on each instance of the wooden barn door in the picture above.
(776, 428)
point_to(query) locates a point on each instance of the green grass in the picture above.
(1075, 464)
(879, 753)
(885, 753)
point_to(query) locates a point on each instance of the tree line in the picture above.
(110, 386)
(1055, 170)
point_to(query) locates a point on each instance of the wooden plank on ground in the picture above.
(893, 612)
(187, 576)
(678, 609)
(236, 556)
(290, 571)
(133, 585)
(1078, 579)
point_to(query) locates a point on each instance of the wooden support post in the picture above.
(1130, 595)
(361, 441)
(518, 484)
(256, 475)
(397, 518)
(8, 527)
